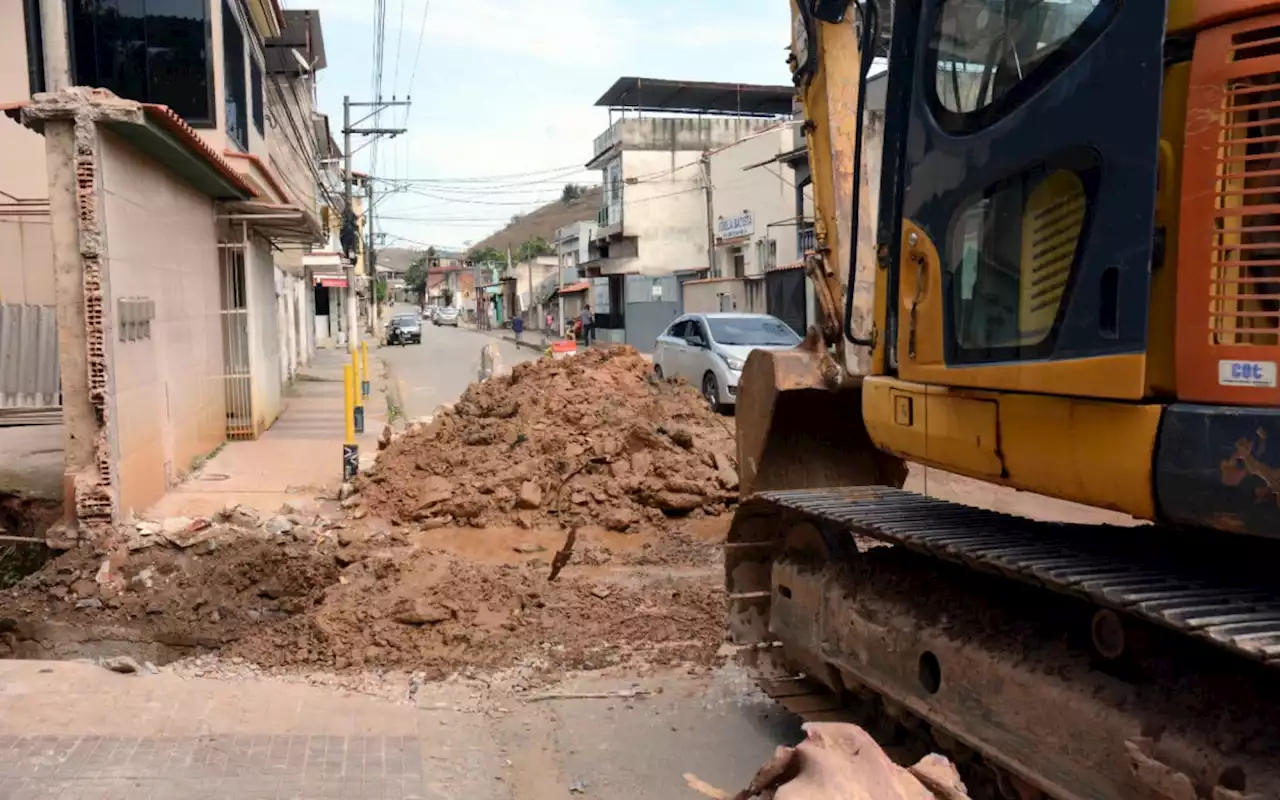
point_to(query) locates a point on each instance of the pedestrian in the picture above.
(550, 321)
(517, 327)
(588, 324)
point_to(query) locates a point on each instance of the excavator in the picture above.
(1050, 264)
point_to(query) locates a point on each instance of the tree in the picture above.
(537, 246)
(415, 279)
(485, 254)
(572, 191)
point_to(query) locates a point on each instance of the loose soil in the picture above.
(591, 440)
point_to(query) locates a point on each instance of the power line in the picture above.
(490, 178)
(422, 28)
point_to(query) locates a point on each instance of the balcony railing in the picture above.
(609, 215)
(806, 241)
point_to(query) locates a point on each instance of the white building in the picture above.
(655, 229)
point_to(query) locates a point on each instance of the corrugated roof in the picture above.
(699, 97)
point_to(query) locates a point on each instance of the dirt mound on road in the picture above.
(595, 439)
(430, 612)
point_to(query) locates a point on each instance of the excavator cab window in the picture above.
(1023, 141)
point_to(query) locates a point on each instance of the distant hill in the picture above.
(544, 221)
(396, 259)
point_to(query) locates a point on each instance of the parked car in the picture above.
(429, 312)
(446, 316)
(709, 350)
(404, 329)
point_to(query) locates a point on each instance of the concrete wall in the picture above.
(664, 214)
(26, 241)
(703, 297)
(678, 133)
(768, 192)
(264, 334)
(168, 395)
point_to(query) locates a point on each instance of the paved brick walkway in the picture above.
(77, 732)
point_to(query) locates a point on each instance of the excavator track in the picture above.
(1046, 659)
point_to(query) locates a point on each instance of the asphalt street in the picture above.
(426, 375)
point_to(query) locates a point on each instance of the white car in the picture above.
(709, 350)
(446, 316)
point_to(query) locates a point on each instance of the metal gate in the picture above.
(237, 381)
(652, 303)
(785, 297)
(30, 381)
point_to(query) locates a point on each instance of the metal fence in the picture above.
(29, 375)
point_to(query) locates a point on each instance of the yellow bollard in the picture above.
(355, 390)
(350, 450)
(364, 369)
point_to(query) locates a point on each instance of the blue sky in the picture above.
(506, 87)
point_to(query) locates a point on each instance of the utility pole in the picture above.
(348, 180)
(711, 219)
(560, 280)
(370, 261)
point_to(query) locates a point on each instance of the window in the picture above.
(983, 49)
(752, 331)
(1010, 259)
(35, 45)
(237, 109)
(152, 51)
(255, 88)
(679, 330)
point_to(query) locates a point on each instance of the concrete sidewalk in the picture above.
(299, 458)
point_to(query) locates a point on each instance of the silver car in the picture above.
(446, 315)
(709, 350)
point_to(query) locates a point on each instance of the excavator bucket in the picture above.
(800, 425)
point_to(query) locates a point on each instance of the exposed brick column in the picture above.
(69, 120)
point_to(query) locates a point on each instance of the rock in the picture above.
(122, 664)
(84, 588)
(346, 490)
(199, 530)
(240, 516)
(434, 491)
(91, 602)
(725, 473)
(359, 513)
(620, 519)
(431, 523)
(277, 525)
(528, 548)
(682, 437)
(385, 439)
(573, 450)
(58, 593)
(674, 502)
(620, 469)
(601, 592)
(530, 495)
(347, 537)
(350, 501)
(525, 519)
(640, 463)
(422, 612)
(148, 528)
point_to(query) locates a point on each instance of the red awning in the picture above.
(575, 287)
(333, 283)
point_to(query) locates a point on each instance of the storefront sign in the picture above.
(736, 227)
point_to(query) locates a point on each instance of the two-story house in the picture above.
(654, 227)
(152, 132)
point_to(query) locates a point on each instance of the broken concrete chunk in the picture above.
(640, 463)
(601, 592)
(573, 450)
(277, 526)
(422, 612)
(433, 491)
(530, 495)
(121, 664)
(528, 548)
(351, 501)
(346, 491)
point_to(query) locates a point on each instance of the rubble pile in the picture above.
(595, 439)
(434, 613)
(185, 582)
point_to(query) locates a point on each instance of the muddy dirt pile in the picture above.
(591, 440)
(184, 584)
(434, 613)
